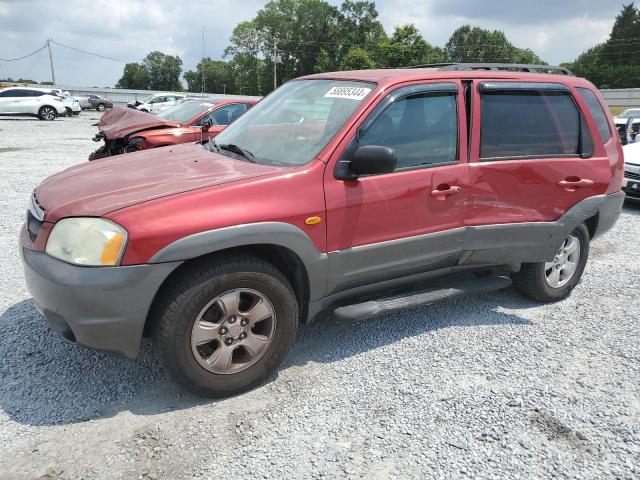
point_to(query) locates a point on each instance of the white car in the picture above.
(71, 104)
(158, 102)
(34, 102)
(631, 182)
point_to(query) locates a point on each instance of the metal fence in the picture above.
(121, 96)
(622, 97)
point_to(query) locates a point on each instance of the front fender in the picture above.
(263, 233)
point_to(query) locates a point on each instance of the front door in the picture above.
(387, 226)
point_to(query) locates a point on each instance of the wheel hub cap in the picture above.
(559, 271)
(233, 331)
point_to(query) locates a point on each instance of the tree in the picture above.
(218, 77)
(407, 47)
(621, 47)
(164, 71)
(615, 63)
(134, 76)
(356, 59)
(472, 45)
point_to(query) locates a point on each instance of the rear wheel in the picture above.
(225, 327)
(554, 280)
(47, 113)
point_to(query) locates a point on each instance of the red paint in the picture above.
(121, 122)
(160, 196)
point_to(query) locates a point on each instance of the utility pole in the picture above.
(276, 60)
(53, 75)
(224, 88)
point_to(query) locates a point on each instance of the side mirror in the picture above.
(207, 125)
(373, 159)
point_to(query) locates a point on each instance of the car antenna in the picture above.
(202, 86)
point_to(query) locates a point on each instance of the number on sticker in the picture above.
(352, 93)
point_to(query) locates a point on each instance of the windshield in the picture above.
(293, 124)
(148, 99)
(184, 111)
(630, 113)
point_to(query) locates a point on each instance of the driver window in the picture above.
(421, 128)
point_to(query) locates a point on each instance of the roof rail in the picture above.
(520, 67)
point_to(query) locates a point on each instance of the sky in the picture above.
(557, 30)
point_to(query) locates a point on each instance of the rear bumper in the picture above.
(609, 212)
(103, 308)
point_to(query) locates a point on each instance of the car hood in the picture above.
(102, 186)
(632, 153)
(122, 121)
(623, 120)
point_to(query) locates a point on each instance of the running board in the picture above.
(375, 308)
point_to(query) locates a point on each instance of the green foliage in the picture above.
(356, 59)
(407, 47)
(475, 44)
(615, 63)
(135, 76)
(158, 71)
(164, 71)
(218, 77)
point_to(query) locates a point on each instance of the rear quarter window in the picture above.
(597, 112)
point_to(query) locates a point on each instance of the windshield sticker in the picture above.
(352, 93)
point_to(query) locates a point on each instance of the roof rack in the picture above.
(516, 67)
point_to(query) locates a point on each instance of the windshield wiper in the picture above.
(232, 147)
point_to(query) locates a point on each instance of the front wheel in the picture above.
(554, 280)
(101, 107)
(225, 327)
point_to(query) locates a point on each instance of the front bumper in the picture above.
(98, 307)
(631, 182)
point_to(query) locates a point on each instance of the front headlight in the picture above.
(87, 241)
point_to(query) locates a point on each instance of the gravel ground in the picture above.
(492, 386)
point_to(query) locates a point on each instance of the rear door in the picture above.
(381, 227)
(532, 159)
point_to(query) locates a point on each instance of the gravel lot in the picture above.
(492, 386)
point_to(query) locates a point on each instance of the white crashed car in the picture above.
(628, 125)
(72, 105)
(631, 182)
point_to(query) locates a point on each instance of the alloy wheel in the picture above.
(559, 271)
(48, 113)
(233, 331)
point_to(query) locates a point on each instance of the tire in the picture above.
(536, 280)
(47, 113)
(76, 113)
(69, 111)
(101, 107)
(193, 302)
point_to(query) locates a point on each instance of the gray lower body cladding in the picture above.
(103, 307)
(106, 307)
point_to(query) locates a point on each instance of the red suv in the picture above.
(356, 193)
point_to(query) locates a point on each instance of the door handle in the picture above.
(572, 183)
(443, 191)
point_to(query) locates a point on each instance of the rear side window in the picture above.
(597, 112)
(530, 124)
(422, 129)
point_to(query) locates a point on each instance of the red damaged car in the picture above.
(128, 130)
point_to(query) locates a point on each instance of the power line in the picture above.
(24, 56)
(89, 53)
